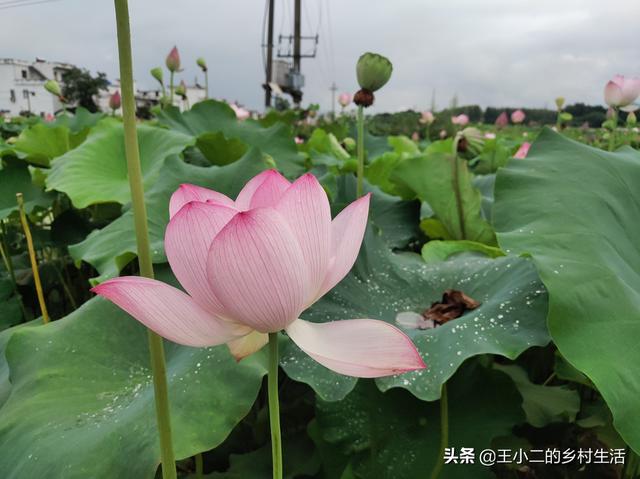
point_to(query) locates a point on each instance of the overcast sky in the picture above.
(490, 52)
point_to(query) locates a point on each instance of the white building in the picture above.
(22, 86)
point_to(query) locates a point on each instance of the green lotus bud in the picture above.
(349, 144)
(373, 71)
(631, 119)
(53, 87)
(181, 89)
(269, 161)
(560, 102)
(202, 64)
(158, 75)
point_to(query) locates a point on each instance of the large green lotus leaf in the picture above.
(382, 284)
(5, 336)
(96, 171)
(81, 402)
(576, 210)
(112, 247)
(430, 177)
(16, 178)
(80, 122)
(396, 219)
(42, 143)
(214, 116)
(299, 459)
(393, 435)
(542, 404)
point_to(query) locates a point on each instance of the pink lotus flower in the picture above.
(461, 120)
(115, 100)
(523, 151)
(252, 266)
(490, 136)
(241, 113)
(298, 140)
(621, 92)
(517, 116)
(344, 99)
(173, 60)
(427, 118)
(415, 136)
(502, 120)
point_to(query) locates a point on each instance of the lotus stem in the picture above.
(444, 432)
(360, 145)
(171, 88)
(456, 187)
(206, 85)
(32, 258)
(199, 466)
(274, 407)
(612, 135)
(156, 347)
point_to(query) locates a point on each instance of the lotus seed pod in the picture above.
(373, 71)
(173, 60)
(53, 87)
(560, 102)
(202, 64)
(158, 75)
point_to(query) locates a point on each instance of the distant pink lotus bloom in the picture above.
(443, 134)
(621, 92)
(49, 118)
(490, 136)
(252, 266)
(460, 120)
(517, 116)
(427, 118)
(502, 120)
(344, 99)
(241, 113)
(415, 136)
(523, 151)
(115, 100)
(173, 60)
(298, 140)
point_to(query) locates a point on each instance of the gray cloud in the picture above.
(493, 52)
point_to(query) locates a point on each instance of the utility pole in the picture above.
(296, 44)
(269, 72)
(333, 89)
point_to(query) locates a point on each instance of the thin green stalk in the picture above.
(156, 347)
(274, 407)
(206, 85)
(199, 466)
(32, 259)
(456, 188)
(171, 88)
(360, 147)
(612, 135)
(444, 432)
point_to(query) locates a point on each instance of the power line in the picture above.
(26, 3)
